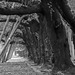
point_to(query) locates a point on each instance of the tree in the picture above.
(58, 53)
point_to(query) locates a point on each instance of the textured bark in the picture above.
(65, 10)
(58, 38)
(20, 10)
(62, 6)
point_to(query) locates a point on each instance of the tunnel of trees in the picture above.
(51, 46)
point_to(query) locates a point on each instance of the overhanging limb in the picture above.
(20, 10)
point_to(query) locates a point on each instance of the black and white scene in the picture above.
(37, 37)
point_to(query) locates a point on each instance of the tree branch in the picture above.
(20, 10)
(65, 10)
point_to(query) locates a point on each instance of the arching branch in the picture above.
(20, 10)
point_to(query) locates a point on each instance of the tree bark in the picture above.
(65, 10)
(59, 42)
(20, 10)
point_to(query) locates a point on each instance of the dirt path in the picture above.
(20, 68)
